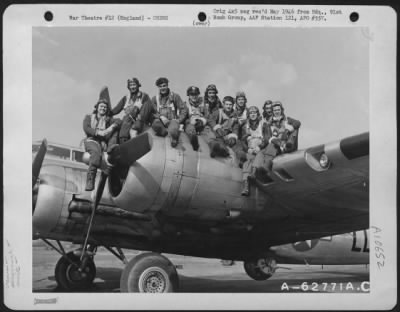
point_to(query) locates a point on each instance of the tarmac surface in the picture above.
(199, 275)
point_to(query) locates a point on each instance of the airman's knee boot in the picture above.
(194, 140)
(245, 188)
(263, 175)
(91, 179)
(159, 128)
(214, 149)
(224, 152)
(123, 140)
(242, 158)
(252, 174)
(174, 139)
(174, 134)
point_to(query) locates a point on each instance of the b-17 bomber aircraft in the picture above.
(161, 199)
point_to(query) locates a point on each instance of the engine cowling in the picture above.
(49, 199)
(181, 181)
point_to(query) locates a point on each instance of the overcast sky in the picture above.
(320, 75)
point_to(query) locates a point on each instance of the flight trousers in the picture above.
(135, 121)
(172, 128)
(240, 153)
(248, 169)
(191, 132)
(263, 160)
(95, 150)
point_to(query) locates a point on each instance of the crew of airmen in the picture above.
(227, 126)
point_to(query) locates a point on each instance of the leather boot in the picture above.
(262, 175)
(174, 140)
(174, 143)
(122, 140)
(159, 128)
(214, 149)
(194, 140)
(114, 154)
(91, 179)
(245, 188)
(252, 175)
(224, 152)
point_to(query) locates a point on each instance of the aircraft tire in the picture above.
(149, 272)
(254, 271)
(68, 277)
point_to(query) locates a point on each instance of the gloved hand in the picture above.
(132, 112)
(181, 127)
(107, 131)
(135, 112)
(220, 133)
(231, 142)
(164, 120)
(198, 125)
(276, 142)
(289, 127)
(101, 133)
(289, 145)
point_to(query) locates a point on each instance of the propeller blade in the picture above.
(127, 153)
(37, 162)
(124, 154)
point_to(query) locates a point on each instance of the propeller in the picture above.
(121, 155)
(36, 166)
(37, 162)
(130, 151)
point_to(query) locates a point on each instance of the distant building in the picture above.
(60, 151)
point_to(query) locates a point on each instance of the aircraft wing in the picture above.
(306, 199)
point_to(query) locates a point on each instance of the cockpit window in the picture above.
(77, 156)
(59, 152)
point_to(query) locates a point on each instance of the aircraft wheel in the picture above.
(68, 276)
(260, 269)
(149, 272)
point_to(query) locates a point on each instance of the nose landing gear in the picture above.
(147, 272)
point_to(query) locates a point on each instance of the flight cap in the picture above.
(135, 81)
(192, 90)
(212, 87)
(161, 80)
(228, 98)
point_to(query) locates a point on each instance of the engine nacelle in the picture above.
(49, 199)
(181, 181)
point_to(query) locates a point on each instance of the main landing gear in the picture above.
(147, 272)
(260, 269)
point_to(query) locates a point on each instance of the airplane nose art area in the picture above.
(49, 200)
